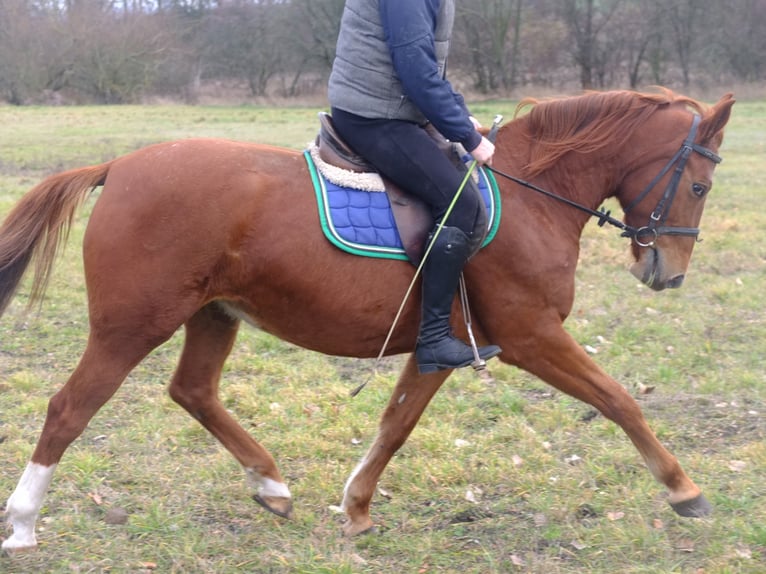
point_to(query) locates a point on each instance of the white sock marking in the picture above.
(24, 505)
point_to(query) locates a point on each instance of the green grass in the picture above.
(535, 507)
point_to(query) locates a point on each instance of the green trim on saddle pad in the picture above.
(379, 251)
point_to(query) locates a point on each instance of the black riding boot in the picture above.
(437, 348)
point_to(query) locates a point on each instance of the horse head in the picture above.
(663, 199)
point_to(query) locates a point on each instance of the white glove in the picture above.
(483, 152)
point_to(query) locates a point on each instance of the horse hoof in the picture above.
(350, 528)
(696, 507)
(279, 505)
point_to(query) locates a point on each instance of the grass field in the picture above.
(503, 477)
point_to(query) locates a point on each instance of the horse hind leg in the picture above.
(100, 372)
(210, 335)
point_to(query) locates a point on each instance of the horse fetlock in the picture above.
(267, 486)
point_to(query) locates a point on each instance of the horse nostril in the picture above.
(675, 282)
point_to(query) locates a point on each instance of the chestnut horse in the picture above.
(207, 233)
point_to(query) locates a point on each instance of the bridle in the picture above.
(654, 228)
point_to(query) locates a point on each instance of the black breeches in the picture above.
(406, 154)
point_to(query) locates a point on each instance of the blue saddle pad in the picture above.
(361, 222)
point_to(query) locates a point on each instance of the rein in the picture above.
(654, 228)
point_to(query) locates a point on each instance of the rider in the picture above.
(387, 83)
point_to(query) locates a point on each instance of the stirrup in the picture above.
(479, 363)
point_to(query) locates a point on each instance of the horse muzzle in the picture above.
(651, 271)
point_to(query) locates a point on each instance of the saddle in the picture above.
(412, 215)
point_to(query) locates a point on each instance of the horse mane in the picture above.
(588, 123)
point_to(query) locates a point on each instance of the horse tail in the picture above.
(38, 225)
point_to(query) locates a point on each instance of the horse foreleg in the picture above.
(558, 360)
(98, 375)
(210, 335)
(409, 399)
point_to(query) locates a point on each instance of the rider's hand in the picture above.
(483, 152)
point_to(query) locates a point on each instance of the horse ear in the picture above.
(715, 120)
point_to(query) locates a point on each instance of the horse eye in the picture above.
(698, 189)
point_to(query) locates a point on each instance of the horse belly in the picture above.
(347, 315)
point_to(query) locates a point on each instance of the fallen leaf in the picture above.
(469, 496)
(460, 443)
(658, 524)
(744, 552)
(615, 515)
(577, 545)
(517, 460)
(96, 497)
(685, 545)
(645, 389)
(574, 459)
(384, 493)
(517, 561)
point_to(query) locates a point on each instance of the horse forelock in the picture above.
(589, 123)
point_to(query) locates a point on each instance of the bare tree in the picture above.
(20, 51)
(586, 20)
(489, 33)
(243, 40)
(684, 18)
(740, 38)
(120, 50)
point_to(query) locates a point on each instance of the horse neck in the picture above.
(587, 180)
